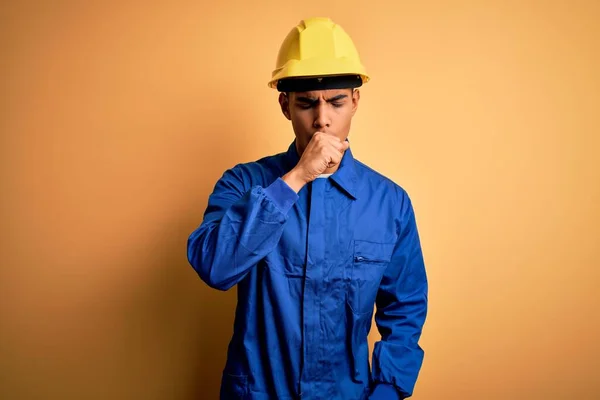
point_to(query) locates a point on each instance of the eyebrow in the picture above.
(312, 100)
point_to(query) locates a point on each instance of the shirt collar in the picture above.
(345, 177)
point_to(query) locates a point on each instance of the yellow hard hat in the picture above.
(320, 49)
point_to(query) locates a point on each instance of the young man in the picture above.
(313, 239)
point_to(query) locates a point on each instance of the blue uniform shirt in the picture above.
(309, 268)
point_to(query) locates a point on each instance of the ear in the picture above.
(284, 102)
(355, 100)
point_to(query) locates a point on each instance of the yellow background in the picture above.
(117, 118)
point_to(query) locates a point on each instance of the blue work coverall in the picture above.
(309, 267)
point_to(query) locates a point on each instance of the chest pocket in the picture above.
(370, 260)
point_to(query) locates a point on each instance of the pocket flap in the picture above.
(372, 251)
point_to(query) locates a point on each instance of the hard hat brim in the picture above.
(306, 84)
(318, 68)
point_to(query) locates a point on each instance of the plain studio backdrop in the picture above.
(117, 118)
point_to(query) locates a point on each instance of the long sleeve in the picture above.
(401, 309)
(240, 227)
(384, 391)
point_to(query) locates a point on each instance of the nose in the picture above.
(322, 119)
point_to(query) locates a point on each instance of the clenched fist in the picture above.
(323, 153)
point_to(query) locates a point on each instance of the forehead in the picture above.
(323, 94)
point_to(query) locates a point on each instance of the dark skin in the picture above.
(321, 120)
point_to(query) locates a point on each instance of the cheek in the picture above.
(343, 117)
(301, 121)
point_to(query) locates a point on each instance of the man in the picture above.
(313, 239)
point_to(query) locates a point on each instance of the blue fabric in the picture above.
(384, 391)
(308, 268)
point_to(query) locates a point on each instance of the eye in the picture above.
(337, 105)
